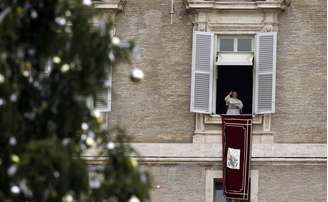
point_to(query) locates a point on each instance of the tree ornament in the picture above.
(66, 141)
(13, 97)
(56, 174)
(15, 189)
(116, 41)
(34, 14)
(87, 2)
(56, 60)
(68, 13)
(98, 116)
(133, 162)
(15, 158)
(12, 141)
(110, 145)
(64, 68)
(2, 101)
(2, 78)
(134, 199)
(90, 141)
(12, 170)
(60, 21)
(26, 73)
(84, 126)
(137, 74)
(96, 113)
(68, 198)
(84, 137)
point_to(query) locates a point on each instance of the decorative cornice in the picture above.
(184, 152)
(116, 5)
(236, 5)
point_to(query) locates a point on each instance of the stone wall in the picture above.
(157, 109)
(301, 74)
(178, 183)
(276, 183)
(292, 183)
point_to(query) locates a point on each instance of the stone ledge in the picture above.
(202, 153)
(216, 119)
(185, 150)
(219, 132)
(236, 5)
(116, 5)
(216, 138)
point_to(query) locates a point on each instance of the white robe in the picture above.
(234, 105)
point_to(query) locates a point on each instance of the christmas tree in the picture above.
(55, 56)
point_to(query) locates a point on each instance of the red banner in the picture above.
(236, 139)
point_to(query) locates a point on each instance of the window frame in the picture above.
(235, 42)
(212, 174)
(217, 38)
(233, 45)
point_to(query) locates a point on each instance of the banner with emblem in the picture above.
(236, 139)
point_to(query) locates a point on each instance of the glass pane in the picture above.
(219, 195)
(218, 192)
(244, 44)
(226, 44)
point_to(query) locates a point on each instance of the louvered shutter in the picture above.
(202, 72)
(104, 98)
(266, 46)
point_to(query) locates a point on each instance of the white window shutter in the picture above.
(103, 100)
(265, 83)
(202, 72)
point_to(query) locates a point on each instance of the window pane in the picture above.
(226, 44)
(218, 192)
(244, 44)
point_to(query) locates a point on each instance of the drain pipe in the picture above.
(172, 11)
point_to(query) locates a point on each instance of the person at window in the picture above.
(234, 104)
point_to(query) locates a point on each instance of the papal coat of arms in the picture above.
(233, 158)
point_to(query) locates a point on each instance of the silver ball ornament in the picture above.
(137, 74)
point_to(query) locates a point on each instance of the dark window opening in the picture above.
(219, 195)
(237, 78)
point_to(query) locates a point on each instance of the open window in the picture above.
(234, 78)
(234, 71)
(241, 63)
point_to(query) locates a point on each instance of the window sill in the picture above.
(208, 129)
(216, 119)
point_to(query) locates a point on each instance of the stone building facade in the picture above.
(182, 149)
